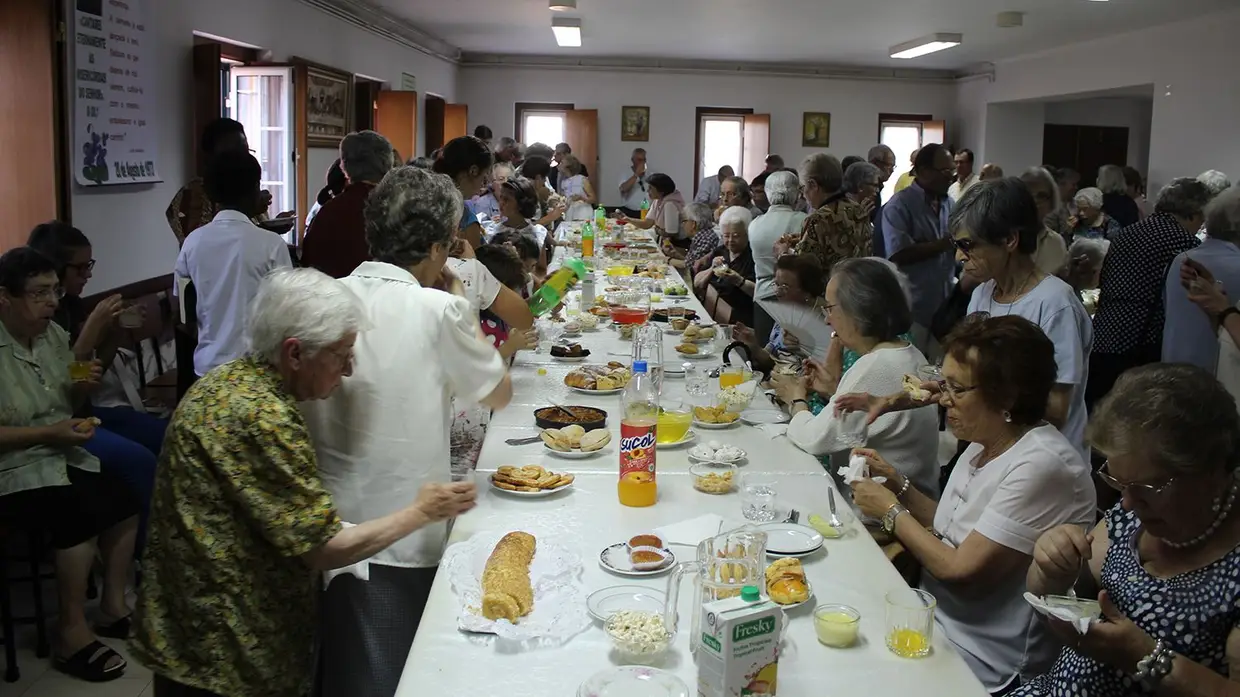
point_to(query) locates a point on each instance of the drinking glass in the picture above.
(723, 337)
(697, 382)
(758, 498)
(675, 418)
(79, 371)
(910, 622)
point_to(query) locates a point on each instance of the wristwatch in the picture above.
(889, 518)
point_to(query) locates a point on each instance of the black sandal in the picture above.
(91, 663)
(116, 630)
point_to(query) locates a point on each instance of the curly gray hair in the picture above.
(365, 156)
(1223, 216)
(1215, 181)
(408, 213)
(1184, 197)
(742, 190)
(1111, 179)
(702, 214)
(824, 169)
(303, 304)
(859, 174)
(875, 295)
(782, 188)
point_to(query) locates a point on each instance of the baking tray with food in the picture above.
(588, 418)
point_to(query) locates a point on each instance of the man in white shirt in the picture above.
(226, 259)
(710, 187)
(633, 185)
(384, 433)
(965, 176)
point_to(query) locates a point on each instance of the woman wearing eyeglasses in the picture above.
(1164, 564)
(1018, 479)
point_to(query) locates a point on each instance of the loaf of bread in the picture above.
(506, 590)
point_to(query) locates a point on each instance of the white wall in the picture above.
(491, 94)
(1191, 65)
(1132, 113)
(126, 224)
(1013, 137)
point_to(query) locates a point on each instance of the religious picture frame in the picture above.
(635, 123)
(815, 129)
(329, 106)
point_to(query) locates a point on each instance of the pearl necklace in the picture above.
(1222, 507)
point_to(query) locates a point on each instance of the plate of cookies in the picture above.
(530, 481)
(574, 442)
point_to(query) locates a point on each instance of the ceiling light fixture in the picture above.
(925, 45)
(567, 30)
(562, 5)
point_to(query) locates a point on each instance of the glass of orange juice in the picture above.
(675, 418)
(731, 376)
(910, 622)
(79, 371)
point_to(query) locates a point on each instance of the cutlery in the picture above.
(835, 520)
(523, 441)
(567, 413)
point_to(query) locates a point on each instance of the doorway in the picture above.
(1084, 148)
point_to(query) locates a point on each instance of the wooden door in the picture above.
(364, 95)
(396, 118)
(208, 97)
(28, 182)
(433, 130)
(581, 134)
(1084, 148)
(756, 144)
(933, 132)
(1059, 145)
(455, 121)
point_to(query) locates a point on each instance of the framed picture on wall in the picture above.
(329, 106)
(815, 130)
(635, 123)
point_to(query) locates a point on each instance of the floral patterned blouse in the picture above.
(226, 604)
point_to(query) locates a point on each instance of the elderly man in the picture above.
(965, 176)
(989, 172)
(735, 191)
(336, 242)
(915, 236)
(561, 150)
(241, 520)
(709, 188)
(385, 434)
(884, 159)
(507, 150)
(838, 229)
(1189, 336)
(774, 163)
(633, 184)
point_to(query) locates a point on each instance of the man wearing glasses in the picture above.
(633, 185)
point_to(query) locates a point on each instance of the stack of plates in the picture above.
(791, 540)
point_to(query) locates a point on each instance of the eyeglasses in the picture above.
(964, 244)
(953, 391)
(82, 267)
(1143, 490)
(826, 309)
(45, 294)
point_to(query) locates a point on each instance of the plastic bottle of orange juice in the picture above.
(638, 424)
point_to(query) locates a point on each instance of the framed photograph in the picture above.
(635, 123)
(329, 106)
(815, 130)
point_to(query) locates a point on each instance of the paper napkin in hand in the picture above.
(1078, 613)
(774, 431)
(691, 531)
(857, 469)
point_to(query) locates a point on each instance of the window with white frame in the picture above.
(722, 139)
(543, 127)
(261, 99)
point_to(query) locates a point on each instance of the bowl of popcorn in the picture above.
(638, 637)
(713, 477)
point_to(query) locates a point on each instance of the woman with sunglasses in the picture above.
(1018, 479)
(1165, 564)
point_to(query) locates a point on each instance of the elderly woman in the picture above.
(576, 189)
(384, 435)
(665, 213)
(838, 229)
(862, 181)
(1162, 564)
(1128, 326)
(241, 520)
(780, 221)
(1115, 199)
(48, 483)
(1018, 479)
(995, 228)
(730, 268)
(335, 243)
(1198, 308)
(698, 224)
(487, 203)
(798, 281)
(1090, 222)
(735, 191)
(1051, 254)
(467, 161)
(868, 307)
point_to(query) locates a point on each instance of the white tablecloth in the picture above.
(588, 517)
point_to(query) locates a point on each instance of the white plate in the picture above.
(615, 559)
(714, 427)
(690, 437)
(758, 417)
(595, 392)
(633, 681)
(798, 555)
(530, 494)
(569, 359)
(602, 603)
(576, 454)
(695, 356)
(790, 538)
(808, 586)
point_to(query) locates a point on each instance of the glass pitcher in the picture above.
(648, 346)
(725, 564)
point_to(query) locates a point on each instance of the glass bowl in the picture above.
(636, 651)
(713, 477)
(837, 625)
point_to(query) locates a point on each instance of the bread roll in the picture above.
(506, 590)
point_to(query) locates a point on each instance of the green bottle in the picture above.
(553, 292)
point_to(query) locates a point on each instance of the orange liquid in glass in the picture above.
(629, 315)
(727, 380)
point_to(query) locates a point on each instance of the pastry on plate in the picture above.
(691, 330)
(689, 349)
(715, 415)
(680, 324)
(506, 589)
(574, 434)
(580, 379)
(594, 440)
(557, 439)
(785, 582)
(608, 382)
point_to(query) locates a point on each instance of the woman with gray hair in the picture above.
(1170, 594)
(1115, 199)
(729, 270)
(868, 307)
(335, 242)
(780, 220)
(735, 191)
(384, 435)
(698, 224)
(241, 519)
(1128, 326)
(1051, 255)
(838, 229)
(1090, 222)
(862, 181)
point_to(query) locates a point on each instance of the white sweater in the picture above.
(909, 440)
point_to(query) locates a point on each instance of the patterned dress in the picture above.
(226, 604)
(1193, 612)
(838, 230)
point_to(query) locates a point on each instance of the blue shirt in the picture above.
(908, 219)
(468, 216)
(1188, 336)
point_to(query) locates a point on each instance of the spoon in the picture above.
(835, 520)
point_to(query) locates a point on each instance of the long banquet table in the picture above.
(588, 517)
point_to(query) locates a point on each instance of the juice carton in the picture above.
(739, 654)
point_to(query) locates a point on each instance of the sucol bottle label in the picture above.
(637, 452)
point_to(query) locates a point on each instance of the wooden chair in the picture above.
(9, 622)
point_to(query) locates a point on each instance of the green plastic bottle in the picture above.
(553, 292)
(645, 207)
(600, 218)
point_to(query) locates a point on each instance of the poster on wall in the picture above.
(113, 137)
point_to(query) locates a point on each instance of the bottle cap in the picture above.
(639, 366)
(750, 594)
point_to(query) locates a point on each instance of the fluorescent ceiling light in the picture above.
(567, 30)
(925, 45)
(562, 5)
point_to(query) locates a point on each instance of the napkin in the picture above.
(1080, 616)
(692, 531)
(856, 470)
(774, 431)
(360, 569)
